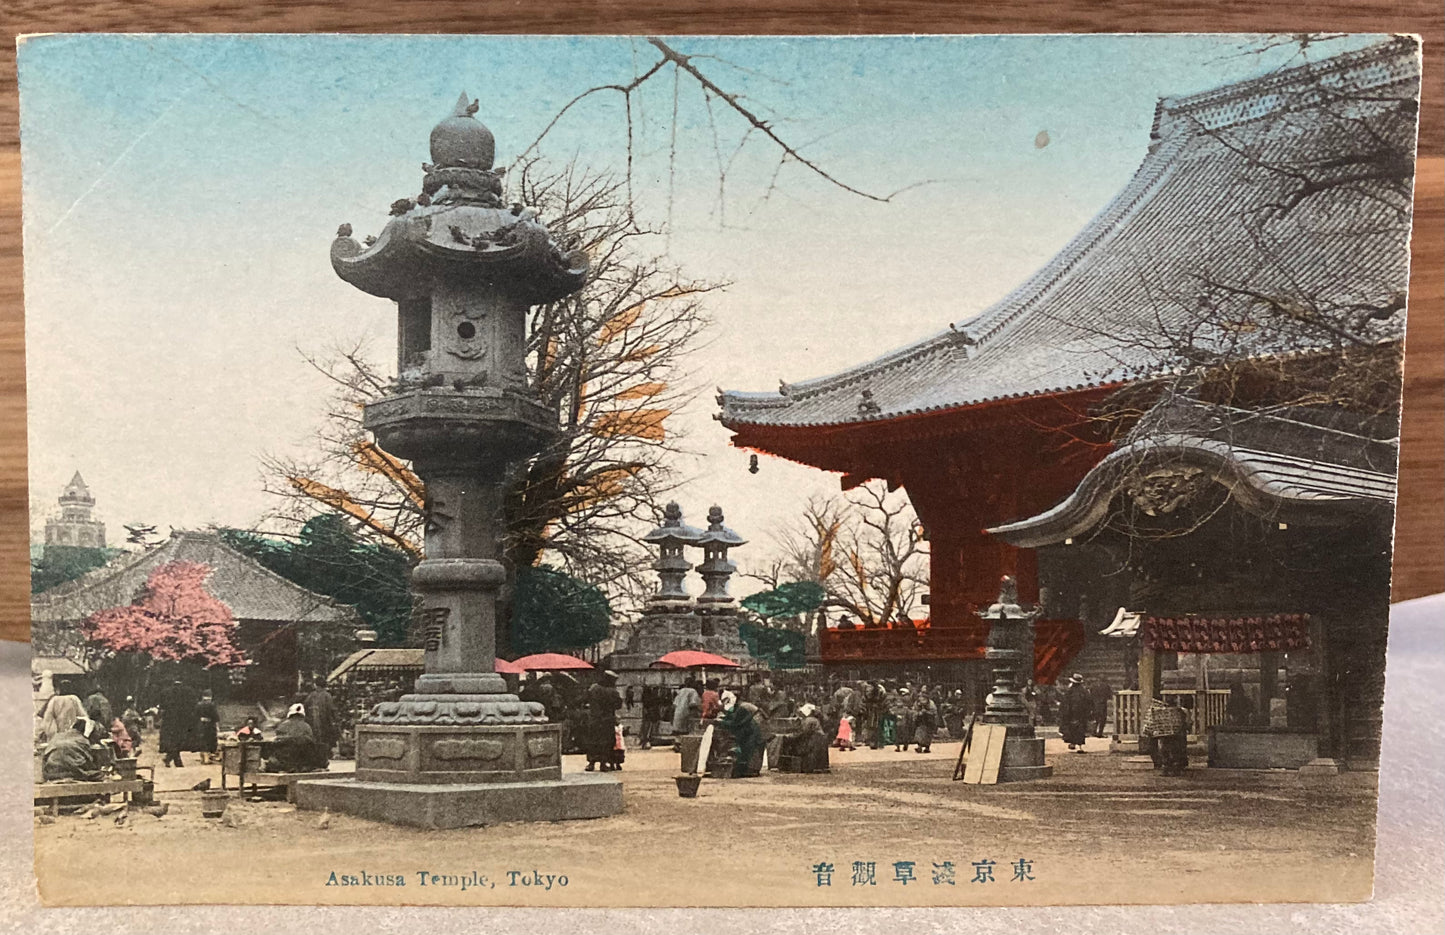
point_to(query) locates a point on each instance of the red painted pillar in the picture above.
(957, 499)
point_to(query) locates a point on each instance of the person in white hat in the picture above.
(295, 749)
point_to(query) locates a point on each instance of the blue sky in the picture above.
(181, 192)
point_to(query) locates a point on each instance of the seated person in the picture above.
(1165, 736)
(810, 744)
(249, 732)
(295, 749)
(743, 722)
(70, 755)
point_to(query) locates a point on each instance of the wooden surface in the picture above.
(1420, 537)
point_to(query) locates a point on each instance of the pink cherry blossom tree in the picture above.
(175, 619)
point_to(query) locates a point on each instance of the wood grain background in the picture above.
(1420, 536)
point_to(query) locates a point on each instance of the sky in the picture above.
(181, 194)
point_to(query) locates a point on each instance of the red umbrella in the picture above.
(549, 662)
(506, 668)
(694, 659)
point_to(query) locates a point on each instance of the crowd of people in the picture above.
(79, 732)
(881, 714)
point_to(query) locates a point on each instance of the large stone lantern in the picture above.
(463, 269)
(1010, 651)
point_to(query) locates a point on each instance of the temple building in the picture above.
(287, 632)
(1149, 367)
(74, 526)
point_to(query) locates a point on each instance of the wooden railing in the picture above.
(1055, 643)
(1207, 712)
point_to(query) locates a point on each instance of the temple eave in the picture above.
(1257, 489)
(864, 447)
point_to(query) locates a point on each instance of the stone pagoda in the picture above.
(671, 566)
(463, 268)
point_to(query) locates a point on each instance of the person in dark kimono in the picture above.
(1075, 710)
(1101, 692)
(207, 719)
(903, 724)
(321, 715)
(952, 711)
(599, 738)
(1165, 737)
(742, 721)
(810, 744)
(71, 756)
(178, 723)
(1238, 711)
(874, 708)
(295, 748)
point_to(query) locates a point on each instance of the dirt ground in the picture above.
(1094, 833)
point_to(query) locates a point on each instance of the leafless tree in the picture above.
(866, 549)
(670, 62)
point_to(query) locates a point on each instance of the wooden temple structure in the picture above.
(1004, 427)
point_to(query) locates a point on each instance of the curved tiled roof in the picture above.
(1091, 316)
(252, 591)
(1273, 465)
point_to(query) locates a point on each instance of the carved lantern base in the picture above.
(456, 753)
(462, 776)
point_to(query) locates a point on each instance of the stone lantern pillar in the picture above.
(463, 269)
(716, 568)
(1010, 651)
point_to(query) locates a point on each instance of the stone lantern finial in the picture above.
(461, 140)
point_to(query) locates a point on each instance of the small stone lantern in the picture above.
(1010, 650)
(671, 538)
(716, 569)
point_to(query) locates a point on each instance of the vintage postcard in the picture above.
(887, 471)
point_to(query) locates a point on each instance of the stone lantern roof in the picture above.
(718, 534)
(674, 529)
(459, 225)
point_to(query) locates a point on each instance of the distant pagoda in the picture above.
(74, 526)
